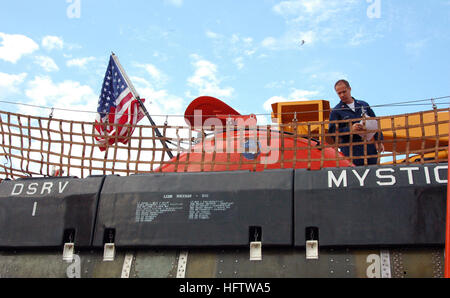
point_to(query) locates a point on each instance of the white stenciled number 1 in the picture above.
(34, 209)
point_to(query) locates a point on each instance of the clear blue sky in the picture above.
(247, 53)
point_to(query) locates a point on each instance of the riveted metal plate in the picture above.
(48, 264)
(417, 263)
(155, 264)
(202, 263)
(285, 263)
(385, 264)
(227, 263)
(182, 263)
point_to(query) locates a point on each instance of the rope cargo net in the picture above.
(42, 147)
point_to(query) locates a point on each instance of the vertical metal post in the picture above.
(127, 265)
(447, 230)
(182, 263)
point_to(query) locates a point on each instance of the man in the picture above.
(350, 108)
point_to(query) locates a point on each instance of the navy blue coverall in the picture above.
(342, 112)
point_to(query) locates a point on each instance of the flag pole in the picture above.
(136, 95)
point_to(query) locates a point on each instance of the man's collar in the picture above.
(346, 105)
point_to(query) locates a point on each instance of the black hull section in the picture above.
(373, 206)
(348, 207)
(48, 212)
(197, 210)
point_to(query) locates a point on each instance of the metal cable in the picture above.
(420, 102)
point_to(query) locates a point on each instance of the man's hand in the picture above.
(380, 147)
(358, 127)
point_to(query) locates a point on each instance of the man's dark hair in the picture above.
(343, 82)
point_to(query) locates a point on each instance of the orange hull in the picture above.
(254, 151)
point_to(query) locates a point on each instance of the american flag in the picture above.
(117, 105)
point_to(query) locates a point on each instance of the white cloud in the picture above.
(296, 95)
(14, 46)
(52, 43)
(212, 35)
(161, 56)
(234, 38)
(9, 83)
(296, 7)
(160, 102)
(323, 21)
(176, 3)
(205, 80)
(242, 45)
(317, 11)
(236, 48)
(79, 62)
(247, 40)
(269, 42)
(357, 38)
(362, 35)
(157, 76)
(263, 120)
(47, 63)
(279, 84)
(302, 95)
(68, 94)
(239, 62)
